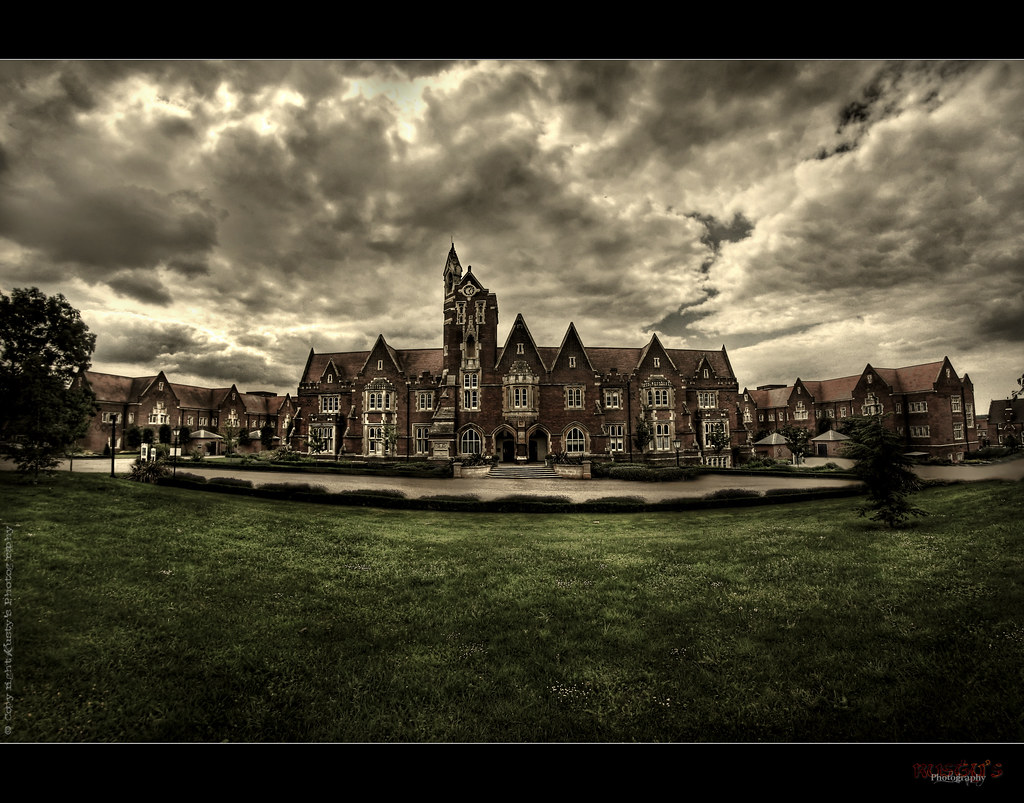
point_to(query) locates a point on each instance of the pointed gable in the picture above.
(571, 355)
(519, 345)
(654, 357)
(381, 354)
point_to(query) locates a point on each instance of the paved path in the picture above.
(574, 490)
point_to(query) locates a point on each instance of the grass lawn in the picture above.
(144, 613)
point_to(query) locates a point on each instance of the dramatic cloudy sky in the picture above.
(216, 220)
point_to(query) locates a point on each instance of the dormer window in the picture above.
(330, 378)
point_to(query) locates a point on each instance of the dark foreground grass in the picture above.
(145, 613)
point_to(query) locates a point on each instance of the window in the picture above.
(657, 397)
(131, 418)
(958, 431)
(746, 416)
(869, 378)
(378, 400)
(425, 400)
(325, 436)
(575, 441)
(771, 416)
(572, 362)
(955, 401)
(616, 437)
(800, 413)
(481, 311)
(613, 399)
(519, 348)
(330, 404)
(471, 392)
(919, 432)
(189, 420)
(871, 405)
(662, 437)
(159, 385)
(574, 397)
(213, 421)
(422, 439)
(202, 421)
(711, 428)
(519, 398)
(471, 443)
(842, 412)
(760, 416)
(375, 440)
(657, 362)
(970, 414)
(707, 374)
(899, 407)
(380, 365)
(460, 312)
(918, 407)
(707, 399)
(158, 414)
(232, 418)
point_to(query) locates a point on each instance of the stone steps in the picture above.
(510, 471)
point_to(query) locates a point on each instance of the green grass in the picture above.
(146, 613)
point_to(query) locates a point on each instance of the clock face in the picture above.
(468, 290)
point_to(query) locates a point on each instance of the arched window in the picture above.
(575, 441)
(471, 442)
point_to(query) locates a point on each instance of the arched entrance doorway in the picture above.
(505, 445)
(538, 445)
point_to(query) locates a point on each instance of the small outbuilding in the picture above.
(830, 444)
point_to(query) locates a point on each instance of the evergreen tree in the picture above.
(884, 469)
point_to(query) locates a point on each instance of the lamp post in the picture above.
(113, 441)
(676, 443)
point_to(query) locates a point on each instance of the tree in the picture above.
(643, 434)
(133, 437)
(184, 436)
(230, 438)
(885, 471)
(389, 434)
(798, 440)
(718, 441)
(267, 435)
(244, 437)
(44, 349)
(148, 435)
(165, 433)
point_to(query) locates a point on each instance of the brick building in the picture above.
(930, 405)
(515, 400)
(154, 401)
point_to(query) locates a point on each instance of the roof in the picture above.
(775, 439)
(831, 435)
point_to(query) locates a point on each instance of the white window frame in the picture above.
(422, 435)
(958, 431)
(613, 399)
(471, 391)
(425, 400)
(574, 397)
(662, 436)
(707, 399)
(954, 402)
(471, 442)
(575, 441)
(920, 432)
(917, 407)
(330, 404)
(616, 437)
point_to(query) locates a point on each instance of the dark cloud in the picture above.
(140, 287)
(147, 343)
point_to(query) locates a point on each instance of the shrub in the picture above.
(232, 481)
(184, 475)
(732, 493)
(196, 456)
(149, 471)
(293, 487)
(387, 493)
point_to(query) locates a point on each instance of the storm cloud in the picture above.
(218, 219)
